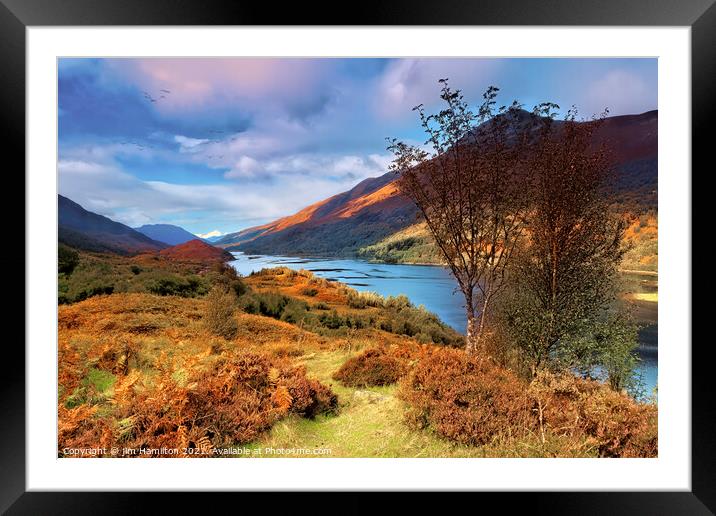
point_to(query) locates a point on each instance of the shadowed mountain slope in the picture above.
(89, 231)
(375, 209)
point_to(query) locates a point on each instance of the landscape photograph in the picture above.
(357, 258)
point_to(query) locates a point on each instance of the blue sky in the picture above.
(223, 144)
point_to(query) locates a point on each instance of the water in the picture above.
(427, 285)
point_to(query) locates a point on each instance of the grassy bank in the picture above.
(141, 369)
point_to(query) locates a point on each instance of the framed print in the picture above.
(403, 252)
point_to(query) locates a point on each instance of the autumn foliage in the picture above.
(466, 399)
(159, 380)
(371, 368)
(475, 402)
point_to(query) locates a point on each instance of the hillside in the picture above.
(166, 233)
(371, 213)
(311, 368)
(335, 226)
(196, 251)
(83, 229)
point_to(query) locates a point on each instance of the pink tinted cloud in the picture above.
(198, 83)
(409, 82)
(622, 92)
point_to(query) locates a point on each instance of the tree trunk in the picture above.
(472, 336)
(475, 328)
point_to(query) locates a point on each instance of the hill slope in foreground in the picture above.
(138, 370)
(196, 251)
(373, 212)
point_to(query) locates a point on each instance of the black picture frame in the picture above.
(17, 15)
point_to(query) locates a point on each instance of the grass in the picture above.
(651, 297)
(108, 339)
(369, 424)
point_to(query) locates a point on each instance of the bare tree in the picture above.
(469, 187)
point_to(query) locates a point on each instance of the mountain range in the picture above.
(374, 210)
(167, 233)
(88, 231)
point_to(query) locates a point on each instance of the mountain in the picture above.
(339, 225)
(196, 251)
(167, 233)
(89, 231)
(374, 209)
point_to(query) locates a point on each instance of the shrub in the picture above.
(136, 269)
(332, 320)
(174, 285)
(466, 399)
(95, 289)
(67, 259)
(612, 422)
(363, 299)
(419, 323)
(270, 304)
(309, 397)
(371, 368)
(475, 402)
(219, 316)
(310, 292)
(295, 312)
(231, 402)
(227, 276)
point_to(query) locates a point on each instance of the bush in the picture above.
(363, 299)
(96, 289)
(295, 312)
(332, 320)
(475, 402)
(219, 317)
(612, 422)
(466, 399)
(310, 292)
(270, 304)
(373, 367)
(309, 397)
(174, 285)
(67, 259)
(227, 276)
(232, 402)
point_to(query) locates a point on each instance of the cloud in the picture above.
(299, 167)
(409, 82)
(111, 191)
(622, 92)
(244, 167)
(190, 85)
(189, 144)
(240, 141)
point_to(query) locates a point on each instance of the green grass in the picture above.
(95, 388)
(413, 244)
(369, 424)
(101, 380)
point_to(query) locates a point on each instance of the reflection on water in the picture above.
(426, 285)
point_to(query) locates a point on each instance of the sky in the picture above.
(216, 145)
